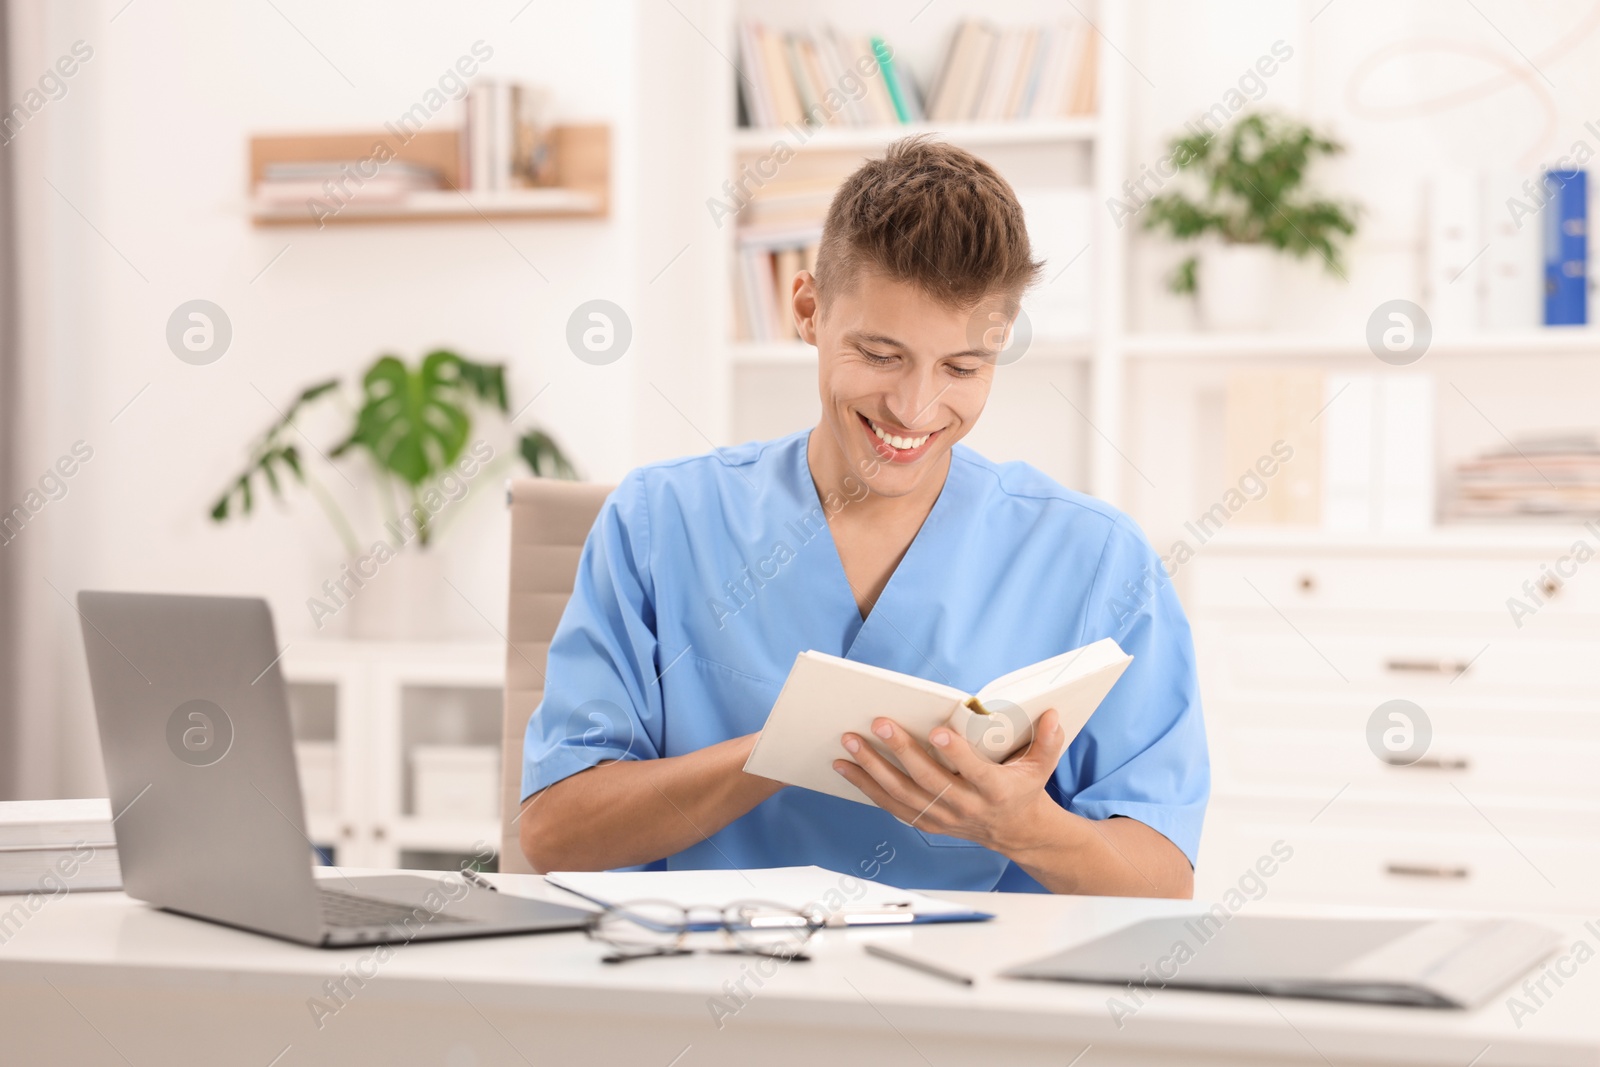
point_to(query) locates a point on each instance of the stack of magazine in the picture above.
(56, 846)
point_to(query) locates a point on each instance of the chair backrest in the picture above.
(550, 520)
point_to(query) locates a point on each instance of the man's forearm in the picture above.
(637, 811)
(1120, 857)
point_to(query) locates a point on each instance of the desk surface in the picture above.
(98, 971)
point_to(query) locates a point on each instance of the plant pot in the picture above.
(1238, 284)
(407, 599)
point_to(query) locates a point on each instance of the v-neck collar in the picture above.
(908, 574)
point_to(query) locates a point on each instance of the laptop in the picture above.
(194, 730)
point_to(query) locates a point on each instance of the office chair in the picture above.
(549, 521)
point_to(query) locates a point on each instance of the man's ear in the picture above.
(805, 306)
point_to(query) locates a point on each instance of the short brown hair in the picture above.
(933, 215)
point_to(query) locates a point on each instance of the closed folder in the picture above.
(1443, 963)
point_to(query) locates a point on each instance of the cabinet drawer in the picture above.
(1388, 583)
(1335, 866)
(1476, 764)
(1430, 658)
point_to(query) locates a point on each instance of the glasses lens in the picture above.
(644, 924)
(761, 926)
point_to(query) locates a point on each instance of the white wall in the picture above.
(149, 144)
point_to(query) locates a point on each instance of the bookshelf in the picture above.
(1069, 380)
(582, 178)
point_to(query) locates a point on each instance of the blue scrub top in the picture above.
(704, 577)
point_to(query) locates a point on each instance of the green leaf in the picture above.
(1252, 177)
(544, 457)
(413, 421)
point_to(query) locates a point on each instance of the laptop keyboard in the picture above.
(344, 910)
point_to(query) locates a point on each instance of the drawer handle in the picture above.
(1432, 763)
(1428, 666)
(1423, 870)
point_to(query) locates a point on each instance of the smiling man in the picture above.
(874, 536)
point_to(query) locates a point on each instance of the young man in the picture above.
(877, 537)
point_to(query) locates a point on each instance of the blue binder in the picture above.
(1566, 248)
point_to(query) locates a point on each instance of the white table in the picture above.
(97, 978)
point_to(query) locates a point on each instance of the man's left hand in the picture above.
(1001, 806)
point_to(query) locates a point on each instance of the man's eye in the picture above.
(963, 372)
(876, 359)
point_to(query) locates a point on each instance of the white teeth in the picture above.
(897, 442)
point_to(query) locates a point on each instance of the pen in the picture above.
(919, 965)
(478, 880)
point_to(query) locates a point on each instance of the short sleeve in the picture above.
(1143, 752)
(602, 696)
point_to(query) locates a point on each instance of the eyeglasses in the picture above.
(643, 928)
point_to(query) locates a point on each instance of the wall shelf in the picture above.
(581, 190)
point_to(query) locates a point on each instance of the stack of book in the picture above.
(55, 846)
(334, 180)
(1037, 72)
(822, 77)
(1547, 477)
(779, 232)
(768, 262)
(505, 139)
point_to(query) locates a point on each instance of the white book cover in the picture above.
(1404, 453)
(1347, 454)
(826, 697)
(997, 87)
(55, 823)
(1050, 94)
(1511, 281)
(1453, 251)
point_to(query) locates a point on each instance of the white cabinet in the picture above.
(1299, 644)
(361, 710)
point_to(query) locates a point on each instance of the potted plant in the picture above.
(414, 427)
(1251, 204)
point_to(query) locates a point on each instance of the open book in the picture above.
(826, 697)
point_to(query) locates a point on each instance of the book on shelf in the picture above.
(1511, 279)
(822, 77)
(1353, 453)
(1566, 248)
(293, 183)
(767, 267)
(1545, 476)
(1034, 72)
(505, 137)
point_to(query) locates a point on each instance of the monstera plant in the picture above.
(414, 427)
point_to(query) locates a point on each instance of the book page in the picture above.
(999, 722)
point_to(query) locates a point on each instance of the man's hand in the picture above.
(1003, 807)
